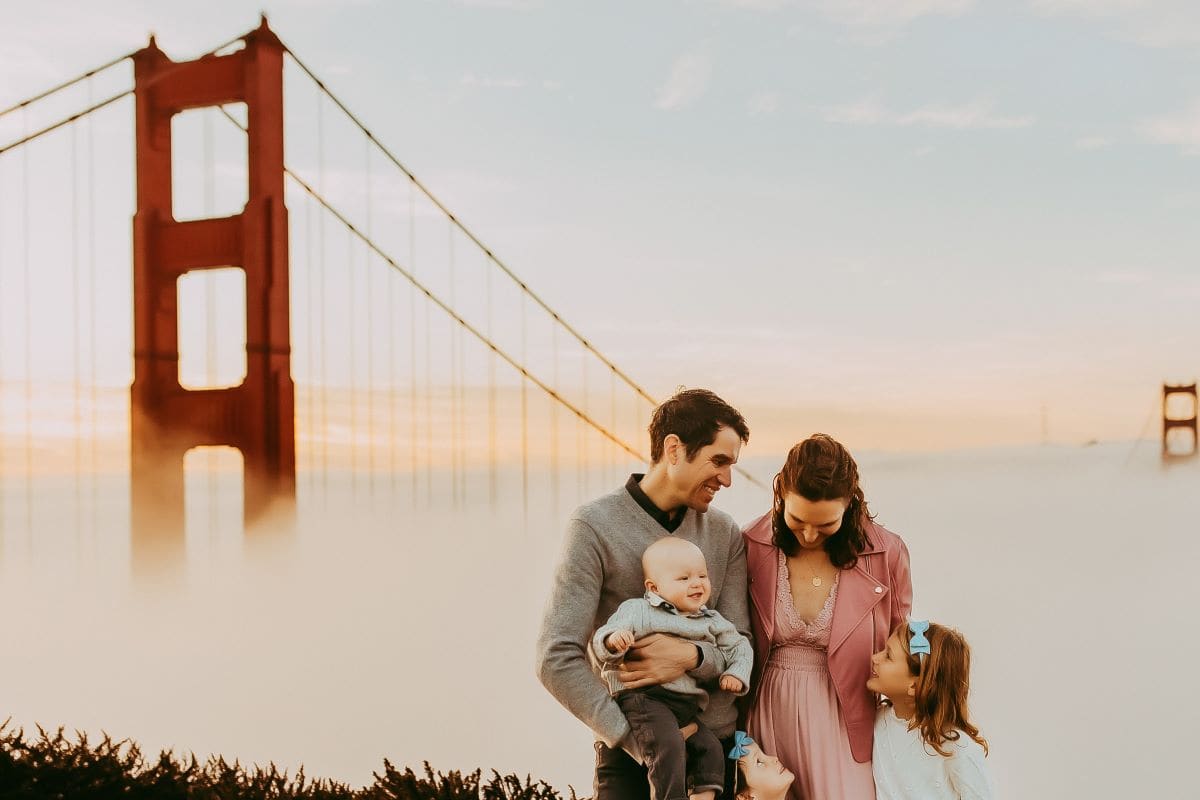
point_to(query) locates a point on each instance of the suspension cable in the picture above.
(456, 317)
(67, 84)
(580, 413)
(30, 137)
(457, 223)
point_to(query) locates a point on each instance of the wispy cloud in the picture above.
(762, 103)
(489, 82)
(974, 115)
(1152, 23)
(862, 112)
(505, 5)
(1093, 142)
(1181, 129)
(888, 13)
(1129, 278)
(687, 82)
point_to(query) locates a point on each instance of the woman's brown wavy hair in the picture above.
(943, 682)
(820, 468)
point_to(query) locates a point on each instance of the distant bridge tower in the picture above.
(1188, 423)
(258, 416)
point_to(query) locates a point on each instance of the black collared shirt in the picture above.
(669, 520)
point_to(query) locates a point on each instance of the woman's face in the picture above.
(813, 521)
(764, 773)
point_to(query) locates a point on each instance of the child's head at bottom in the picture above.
(759, 776)
(925, 671)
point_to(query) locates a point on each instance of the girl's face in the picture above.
(763, 773)
(813, 521)
(889, 670)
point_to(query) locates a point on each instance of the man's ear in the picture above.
(673, 448)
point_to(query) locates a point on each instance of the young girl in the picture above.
(925, 746)
(759, 776)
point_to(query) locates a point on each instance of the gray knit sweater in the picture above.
(651, 614)
(600, 568)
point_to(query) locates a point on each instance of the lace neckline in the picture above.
(785, 595)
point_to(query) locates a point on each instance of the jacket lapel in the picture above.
(858, 594)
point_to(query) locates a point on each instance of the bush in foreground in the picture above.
(54, 766)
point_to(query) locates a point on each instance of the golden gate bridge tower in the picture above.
(257, 416)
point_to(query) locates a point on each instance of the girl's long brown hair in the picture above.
(943, 682)
(820, 468)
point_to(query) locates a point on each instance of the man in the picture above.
(695, 439)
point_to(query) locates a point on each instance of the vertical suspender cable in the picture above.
(352, 318)
(93, 331)
(554, 477)
(370, 333)
(412, 342)
(28, 287)
(463, 416)
(455, 445)
(613, 455)
(524, 420)
(586, 461)
(76, 343)
(428, 407)
(309, 390)
(491, 398)
(324, 289)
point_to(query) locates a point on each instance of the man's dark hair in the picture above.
(695, 416)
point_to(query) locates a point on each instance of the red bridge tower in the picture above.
(258, 416)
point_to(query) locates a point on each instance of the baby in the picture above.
(677, 588)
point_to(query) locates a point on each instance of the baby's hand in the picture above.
(619, 641)
(730, 683)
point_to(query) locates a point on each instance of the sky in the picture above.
(922, 224)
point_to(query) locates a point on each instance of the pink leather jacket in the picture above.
(873, 598)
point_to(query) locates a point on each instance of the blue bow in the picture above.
(918, 643)
(741, 740)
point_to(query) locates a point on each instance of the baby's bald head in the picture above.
(675, 570)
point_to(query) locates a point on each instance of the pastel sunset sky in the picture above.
(918, 223)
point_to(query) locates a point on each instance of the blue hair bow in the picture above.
(918, 643)
(741, 740)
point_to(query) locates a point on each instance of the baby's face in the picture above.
(681, 580)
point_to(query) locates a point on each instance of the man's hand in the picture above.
(657, 659)
(730, 683)
(688, 730)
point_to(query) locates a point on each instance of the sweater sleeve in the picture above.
(739, 654)
(629, 616)
(561, 657)
(969, 774)
(733, 605)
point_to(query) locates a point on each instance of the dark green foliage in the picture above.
(54, 767)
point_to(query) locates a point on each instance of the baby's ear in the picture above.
(650, 586)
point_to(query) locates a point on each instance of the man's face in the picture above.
(696, 481)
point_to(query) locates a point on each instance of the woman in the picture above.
(827, 586)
